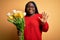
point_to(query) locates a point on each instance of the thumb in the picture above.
(39, 17)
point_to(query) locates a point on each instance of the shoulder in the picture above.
(39, 14)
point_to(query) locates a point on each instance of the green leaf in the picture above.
(10, 20)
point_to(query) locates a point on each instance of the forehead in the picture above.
(30, 4)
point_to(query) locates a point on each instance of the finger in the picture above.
(47, 16)
(39, 17)
(44, 14)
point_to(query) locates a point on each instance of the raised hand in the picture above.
(44, 17)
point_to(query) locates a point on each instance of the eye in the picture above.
(30, 7)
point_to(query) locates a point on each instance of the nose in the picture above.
(30, 8)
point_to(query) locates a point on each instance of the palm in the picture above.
(44, 17)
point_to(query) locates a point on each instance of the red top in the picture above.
(33, 27)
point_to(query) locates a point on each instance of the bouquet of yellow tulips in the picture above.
(17, 18)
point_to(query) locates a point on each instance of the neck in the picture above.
(29, 15)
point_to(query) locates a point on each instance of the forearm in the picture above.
(45, 27)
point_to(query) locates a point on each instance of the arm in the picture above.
(45, 27)
(43, 18)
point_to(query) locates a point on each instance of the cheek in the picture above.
(33, 10)
(27, 9)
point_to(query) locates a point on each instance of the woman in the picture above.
(35, 23)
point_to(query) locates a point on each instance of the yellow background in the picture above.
(51, 7)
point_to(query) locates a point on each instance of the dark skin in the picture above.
(31, 11)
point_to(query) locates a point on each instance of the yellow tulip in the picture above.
(16, 15)
(19, 14)
(10, 17)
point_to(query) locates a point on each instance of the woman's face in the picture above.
(31, 8)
